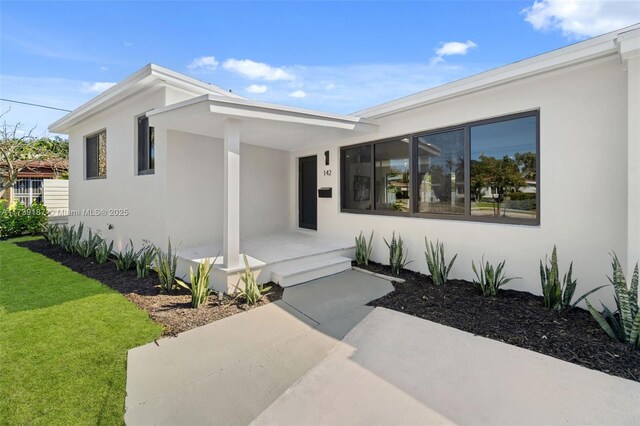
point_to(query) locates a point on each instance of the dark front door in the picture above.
(307, 192)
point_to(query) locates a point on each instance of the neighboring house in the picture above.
(29, 187)
(162, 155)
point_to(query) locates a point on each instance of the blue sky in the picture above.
(332, 56)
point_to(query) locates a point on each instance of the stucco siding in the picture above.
(583, 145)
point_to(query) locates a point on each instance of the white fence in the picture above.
(55, 196)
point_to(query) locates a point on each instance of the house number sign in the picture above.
(327, 172)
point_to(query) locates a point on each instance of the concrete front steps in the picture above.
(311, 268)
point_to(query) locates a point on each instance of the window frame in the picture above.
(86, 162)
(150, 170)
(413, 170)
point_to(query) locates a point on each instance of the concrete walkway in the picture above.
(394, 369)
(229, 371)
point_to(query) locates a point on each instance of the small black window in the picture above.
(96, 155)
(146, 148)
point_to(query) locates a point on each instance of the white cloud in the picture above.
(298, 94)
(452, 48)
(582, 18)
(103, 68)
(256, 88)
(203, 63)
(257, 70)
(97, 87)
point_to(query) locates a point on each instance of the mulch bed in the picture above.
(173, 311)
(514, 317)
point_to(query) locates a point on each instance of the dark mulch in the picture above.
(173, 311)
(514, 317)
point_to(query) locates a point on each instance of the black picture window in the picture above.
(392, 175)
(504, 169)
(440, 178)
(483, 171)
(146, 146)
(96, 155)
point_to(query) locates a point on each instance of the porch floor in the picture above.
(274, 248)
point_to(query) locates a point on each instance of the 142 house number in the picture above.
(327, 172)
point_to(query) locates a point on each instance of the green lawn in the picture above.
(63, 343)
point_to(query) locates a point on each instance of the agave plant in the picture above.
(70, 238)
(436, 262)
(52, 233)
(103, 251)
(199, 287)
(397, 254)
(624, 324)
(126, 258)
(251, 291)
(144, 258)
(165, 265)
(490, 278)
(87, 248)
(558, 295)
(363, 249)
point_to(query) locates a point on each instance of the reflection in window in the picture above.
(357, 172)
(441, 172)
(503, 169)
(392, 175)
(96, 155)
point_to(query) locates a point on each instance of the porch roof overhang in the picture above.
(262, 124)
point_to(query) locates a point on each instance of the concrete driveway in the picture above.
(229, 371)
(320, 357)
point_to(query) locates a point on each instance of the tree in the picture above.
(527, 163)
(503, 175)
(20, 151)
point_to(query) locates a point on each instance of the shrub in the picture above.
(624, 324)
(125, 259)
(490, 278)
(17, 219)
(144, 258)
(199, 287)
(87, 248)
(252, 292)
(103, 251)
(363, 249)
(436, 262)
(165, 265)
(397, 254)
(558, 295)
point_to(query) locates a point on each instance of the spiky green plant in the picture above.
(71, 237)
(490, 278)
(52, 233)
(624, 324)
(103, 251)
(251, 291)
(363, 249)
(397, 254)
(144, 258)
(436, 262)
(557, 295)
(199, 287)
(126, 258)
(165, 265)
(86, 248)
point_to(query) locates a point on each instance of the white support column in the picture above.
(231, 201)
(629, 49)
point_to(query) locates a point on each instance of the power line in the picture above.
(35, 105)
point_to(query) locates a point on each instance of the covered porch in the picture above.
(288, 252)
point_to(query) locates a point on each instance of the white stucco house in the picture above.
(162, 155)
